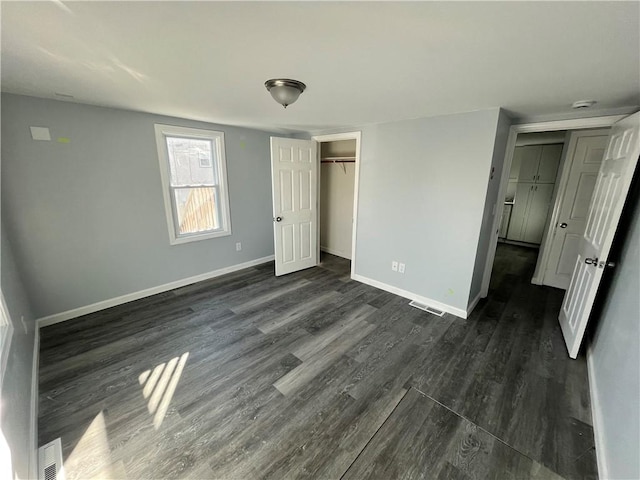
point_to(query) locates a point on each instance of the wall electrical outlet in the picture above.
(401, 267)
(238, 246)
(394, 266)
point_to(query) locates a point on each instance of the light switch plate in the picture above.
(40, 133)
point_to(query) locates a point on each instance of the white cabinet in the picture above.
(537, 214)
(531, 181)
(518, 153)
(529, 159)
(536, 163)
(548, 165)
(529, 215)
(519, 211)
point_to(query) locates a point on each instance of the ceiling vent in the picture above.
(50, 466)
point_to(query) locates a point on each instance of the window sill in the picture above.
(199, 236)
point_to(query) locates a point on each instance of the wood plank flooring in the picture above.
(423, 439)
(313, 375)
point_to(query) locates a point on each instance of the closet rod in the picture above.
(337, 161)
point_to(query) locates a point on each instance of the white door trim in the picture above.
(574, 124)
(333, 138)
(596, 416)
(6, 335)
(33, 425)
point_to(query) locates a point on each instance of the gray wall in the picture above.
(16, 385)
(87, 217)
(422, 191)
(615, 360)
(493, 187)
(95, 204)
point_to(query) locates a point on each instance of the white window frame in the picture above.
(217, 141)
(6, 334)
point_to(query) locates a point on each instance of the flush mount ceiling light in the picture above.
(583, 104)
(284, 90)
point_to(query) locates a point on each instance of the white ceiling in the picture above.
(362, 62)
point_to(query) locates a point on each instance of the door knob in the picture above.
(278, 219)
(591, 261)
(563, 225)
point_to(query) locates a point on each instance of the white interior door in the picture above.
(294, 176)
(585, 159)
(609, 195)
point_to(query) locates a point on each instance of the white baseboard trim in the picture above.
(473, 304)
(596, 417)
(334, 252)
(33, 441)
(112, 302)
(458, 312)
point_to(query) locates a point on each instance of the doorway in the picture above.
(549, 188)
(533, 181)
(296, 184)
(337, 197)
(547, 133)
(617, 159)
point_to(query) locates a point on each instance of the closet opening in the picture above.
(550, 184)
(337, 197)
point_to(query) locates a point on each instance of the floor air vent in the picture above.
(426, 308)
(50, 461)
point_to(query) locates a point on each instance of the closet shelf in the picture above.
(338, 159)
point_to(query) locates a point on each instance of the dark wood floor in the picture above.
(313, 375)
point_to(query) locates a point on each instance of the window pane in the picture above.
(197, 209)
(191, 161)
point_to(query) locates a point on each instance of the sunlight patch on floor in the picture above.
(159, 384)
(91, 457)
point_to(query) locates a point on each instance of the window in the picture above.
(194, 180)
